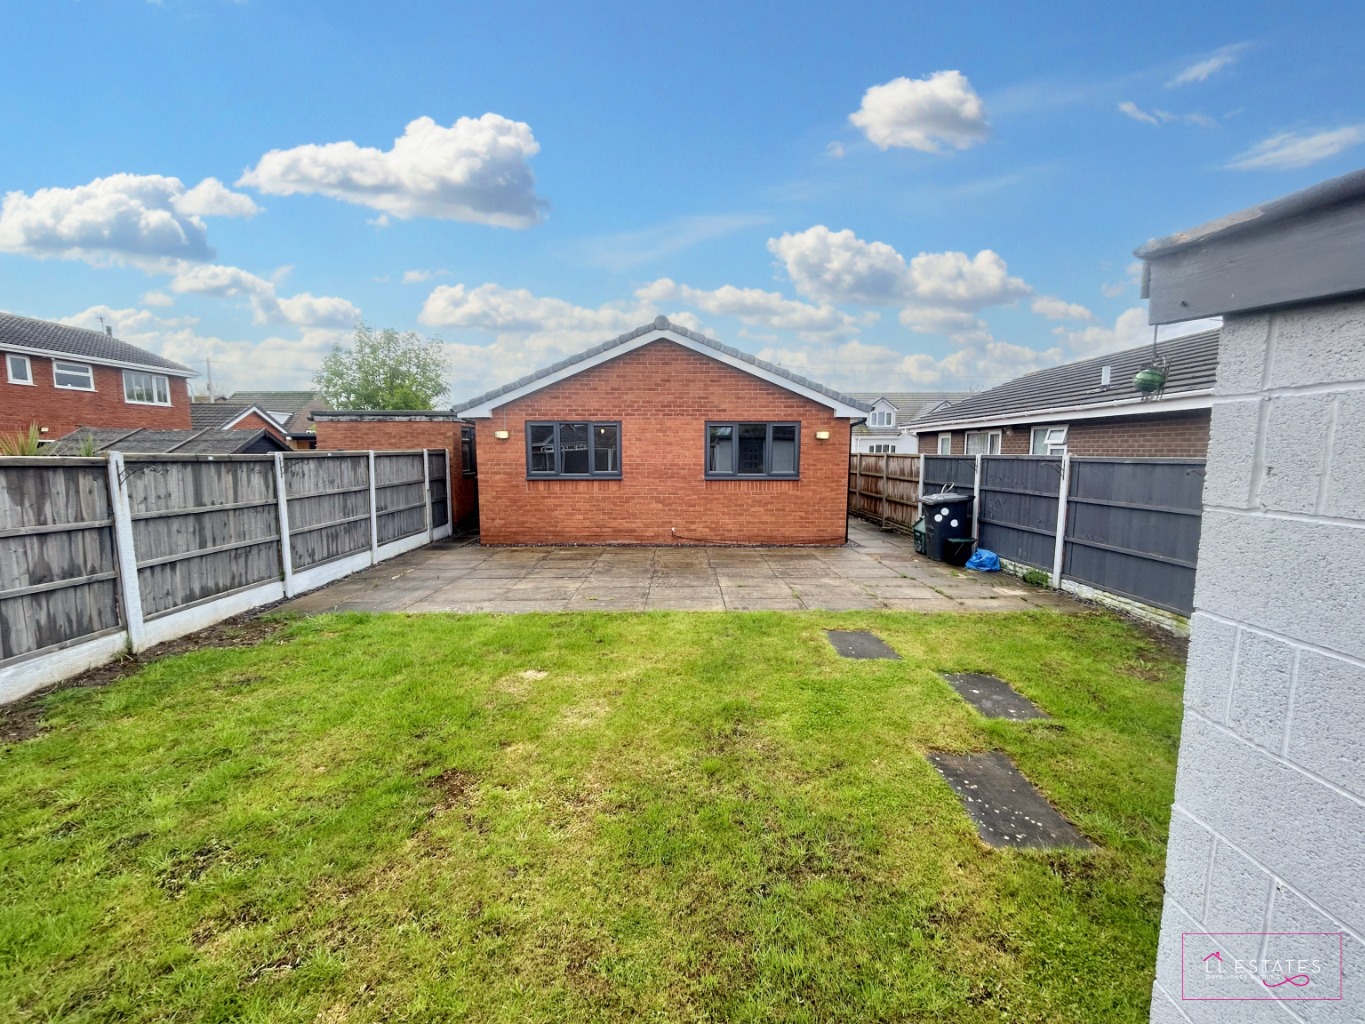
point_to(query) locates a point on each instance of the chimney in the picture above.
(1104, 376)
(109, 330)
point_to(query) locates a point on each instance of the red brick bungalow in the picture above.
(663, 436)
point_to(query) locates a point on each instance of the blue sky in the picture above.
(886, 197)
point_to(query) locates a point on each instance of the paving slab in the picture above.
(992, 696)
(860, 644)
(1008, 811)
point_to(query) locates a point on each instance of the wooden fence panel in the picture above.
(201, 528)
(58, 580)
(398, 481)
(436, 469)
(329, 507)
(884, 487)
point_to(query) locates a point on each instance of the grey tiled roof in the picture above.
(1193, 364)
(298, 404)
(218, 414)
(96, 346)
(662, 323)
(145, 441)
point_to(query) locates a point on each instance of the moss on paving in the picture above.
(587, 817)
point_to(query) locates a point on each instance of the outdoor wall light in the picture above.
(502, 435)
(822, 435)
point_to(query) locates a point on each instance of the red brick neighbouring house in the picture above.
(61, 378)
(366, 430)
(1089, 408)
(663, 436)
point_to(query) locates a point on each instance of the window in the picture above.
(19, 370)
(752, 450)
(146, 388)
(72, 376)
(882, 419)
(945, 444)
(573, 449)
(983, 442)
(467, 462)
(883, 449)
(1048, 441)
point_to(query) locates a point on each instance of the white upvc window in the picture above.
(882, 418)
(72, 376)
(983, 442)
(146, 388)
(18, 369)
(945, 444)
(1048, 441)
(883, 449)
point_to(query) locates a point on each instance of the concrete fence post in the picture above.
(426, 494)
(1063, 496)
(919, 505)
(282, 511)
(130, 591)
(374, 517)
(976, 499)
(450, 491)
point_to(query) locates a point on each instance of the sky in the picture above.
(902, 196)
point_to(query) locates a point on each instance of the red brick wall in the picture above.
(255, 421)
(62, 411)
(663, 394)
(1175, 436)
(397, 435)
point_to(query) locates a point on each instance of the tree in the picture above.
(384, 370)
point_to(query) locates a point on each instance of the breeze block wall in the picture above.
(663, 394)
(403, 431)
(1268, 828)
(62, 410)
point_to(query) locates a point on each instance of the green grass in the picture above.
(695, 817)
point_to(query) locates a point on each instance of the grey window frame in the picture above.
(558, 473)
(767, 473)
(28, 369)
(469, 456)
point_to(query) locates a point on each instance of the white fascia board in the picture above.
(1187, 401)
(485, 409)
(68, 357)
(259, 412)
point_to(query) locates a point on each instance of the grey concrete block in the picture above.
(1232, 453)
(1187, 862)
(1242, 353)
(1328, 720)
(1259, 704)
(1295, 453)
(1291, 577)
(1319, 343)
(1165, 1009)
(1239, 893)
(1291, 824)
(1345, 495)
(1293, 914)
(1208, 668)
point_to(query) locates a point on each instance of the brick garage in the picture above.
(399, 431)
(663, 385)
(1177, 436)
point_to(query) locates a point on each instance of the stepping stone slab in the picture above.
(1005, 807)
(993, 697)
(858, 644)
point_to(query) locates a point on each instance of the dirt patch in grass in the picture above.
(453, 785)
(23, 719)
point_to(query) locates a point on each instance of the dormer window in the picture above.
(882, 418)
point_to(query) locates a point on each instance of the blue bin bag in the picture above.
(984, 561)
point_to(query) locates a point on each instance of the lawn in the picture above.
(690, 817)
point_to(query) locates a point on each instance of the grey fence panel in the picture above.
(436, 470)
(329, 507)
(398, 495)
(58, 579)
(1133, 528)
(201, 528)
(949, 473)
(1017, 517)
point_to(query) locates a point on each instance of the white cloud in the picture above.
(835, 150)
(157, 299)
(490, 307)
(754, 307)
(955, 279)
(144, 220)
(1137, 113)
(923, 113)
(1113, 289)
(1290, 150)
(1202, 70)
(1129, 331)
(475, 170)
(302, 309)
(420, 276)
(1159, 116)
(1059, 309)
(627, 250)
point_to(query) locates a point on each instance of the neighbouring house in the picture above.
(1091, 407)
(1266, 854)
(61, 377)
(290, 408)
(145, 441)
(885, 431)
(222, 415)
(388, 430)
(663, 436)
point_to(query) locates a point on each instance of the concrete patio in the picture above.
(877, 570)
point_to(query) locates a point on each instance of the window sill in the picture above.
(159, 405)
(560, 476)
(24, 383)
(72, 387)
(745, 477)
